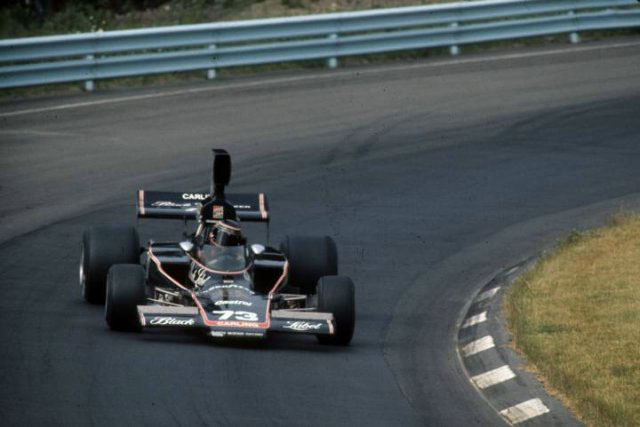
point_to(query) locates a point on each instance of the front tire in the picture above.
(125, 292)
(336, 295)
(310, 258)
(103, 247)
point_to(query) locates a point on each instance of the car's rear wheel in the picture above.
(125, 291)
(310, 258)
(336, 295)
(103, 247)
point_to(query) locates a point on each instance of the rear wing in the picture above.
(169, 205)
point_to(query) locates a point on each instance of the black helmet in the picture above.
(226, 233)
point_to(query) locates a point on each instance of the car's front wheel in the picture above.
(125, 291)
(336, 295)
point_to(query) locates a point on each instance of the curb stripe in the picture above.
(487, 294)
(478, 345)
(524, 411)
(493, 377)
(474, 320)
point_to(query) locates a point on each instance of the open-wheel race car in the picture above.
(214, 280)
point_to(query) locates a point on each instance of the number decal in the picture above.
(224, 314)
(247, 316)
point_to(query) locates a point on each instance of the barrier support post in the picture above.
(332, 62)
(454, 49)
(89, 85)
(211, 73)
(574, 37)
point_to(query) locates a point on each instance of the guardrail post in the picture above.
(454, 49)
(211, 74)
(574, 37)
(89, 85)
(333, 62)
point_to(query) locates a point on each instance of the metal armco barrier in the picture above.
(91, 56)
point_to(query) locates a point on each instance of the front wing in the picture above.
(309, 322)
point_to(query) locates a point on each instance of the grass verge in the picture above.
(20, 19)
(576, 319)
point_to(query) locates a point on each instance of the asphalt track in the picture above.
(430, 178)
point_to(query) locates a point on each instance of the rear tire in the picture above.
(103, 247)
(336, 295)
(310, 258)
(125, 292)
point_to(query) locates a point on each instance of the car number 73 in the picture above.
(237, 315)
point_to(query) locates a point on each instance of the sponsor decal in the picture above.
(236, 324)
(170, 205)
(219, 334)
(217, 212)
(194, 196)
(203, 196)
(231, 286)
(302, 326)
(254, 334)
(199, 276)
(171, 321)
(233, 302)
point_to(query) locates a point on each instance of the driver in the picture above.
(224, 247)
(226, 233)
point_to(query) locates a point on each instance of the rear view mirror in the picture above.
(257, 248)
(186, 246)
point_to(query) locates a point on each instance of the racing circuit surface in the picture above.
(430, 177)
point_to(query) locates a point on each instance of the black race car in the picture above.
(214, 280)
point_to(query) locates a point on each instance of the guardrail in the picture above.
(91, 56)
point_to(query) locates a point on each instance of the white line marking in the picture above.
(487, 294)
(474, 320)
(482, 344)
(524, 411)
(325, 75)
(512, 270)
(493, 377)
(36, 133)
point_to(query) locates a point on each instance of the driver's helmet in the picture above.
(223, 249)
(225, 233)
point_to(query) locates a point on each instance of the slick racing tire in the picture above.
(101, 248)
(336, 295)
(310, 258)
(125, 291)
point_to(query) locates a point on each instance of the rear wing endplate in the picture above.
(170, 205)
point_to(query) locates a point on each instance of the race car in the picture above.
(214, 280)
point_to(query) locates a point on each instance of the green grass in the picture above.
(576, 319)
(78, 17)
